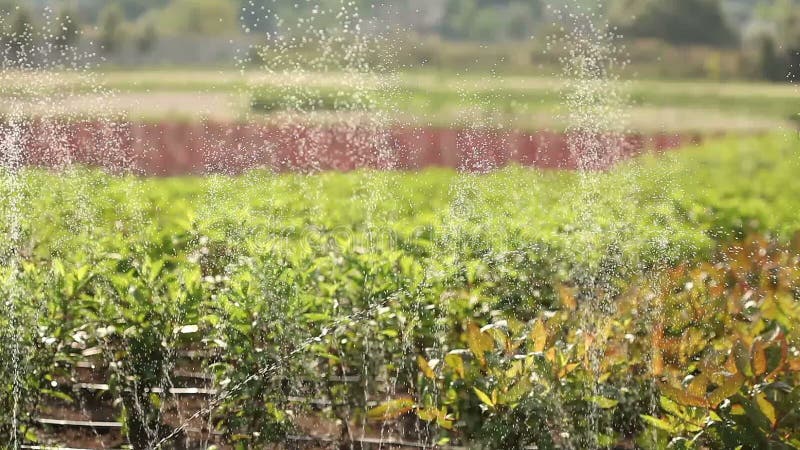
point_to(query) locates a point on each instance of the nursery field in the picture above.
(650, 306)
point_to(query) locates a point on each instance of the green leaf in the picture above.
(57, 394)
(479, 342)
(604, 402)
(391, 409)
(741, 356)
(661, 424)
(390, 333)
(670, 406)
(317, 317)
(767, 408)
(456, 363)
(211, 319)
(517, 392)
(484, 398)
(682, 397)
(425, 368)
(728, 388)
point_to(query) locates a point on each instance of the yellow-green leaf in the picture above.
(567, 297)
(425, 368)
(567, 369)
(658, 423)
(670, 406)
(767, 408)
(698, 386)
(683, 397)
(456, 363)
(479, 342)
(759, 358)
(444, 422)
(729, 387)
(604, 402)
(522, 388)
(741, 358)
(484, 398)
(427, 414)
(391, 409)
(539, 336)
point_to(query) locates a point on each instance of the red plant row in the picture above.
(176, 148)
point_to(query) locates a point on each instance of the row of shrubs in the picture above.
(438, 307)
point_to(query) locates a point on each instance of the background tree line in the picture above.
(767, 32)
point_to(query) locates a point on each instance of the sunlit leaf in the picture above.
(660, 424)
(604, 402)
(697, 387)
(567, 369)
(455, 362)
(317, 317)
(539, 336)
(479, 342)
(759, 358)
(427, 414)
(567, 297)
(670, 406)
(683, 397)
(767, 408)
(484, 398)
(58, 394)
(425, 368)
(391, 409)
(728, 388)
(741, 356)
(519, 390)
(444, 421)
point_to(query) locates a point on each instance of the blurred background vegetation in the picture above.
(714, 39)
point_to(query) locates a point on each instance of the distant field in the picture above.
(426, 98)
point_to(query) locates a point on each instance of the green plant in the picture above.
(482, 310)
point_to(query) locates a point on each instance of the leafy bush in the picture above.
(716, 342)
(489, 310)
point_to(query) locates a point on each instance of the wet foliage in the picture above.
(704, 355)
(655, 306)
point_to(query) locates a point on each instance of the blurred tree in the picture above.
(789, 29)
(89, 10)
(132, 9)
(771, 64)
(257, 15)
(67, 30)
(487, 25)
(111, 20)
(490, 20)
(774, 44)
(8, 6)
(522, 18)
(459, 16)
(205, 17)
(18, 39)
(147, 38)
(675, 21)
